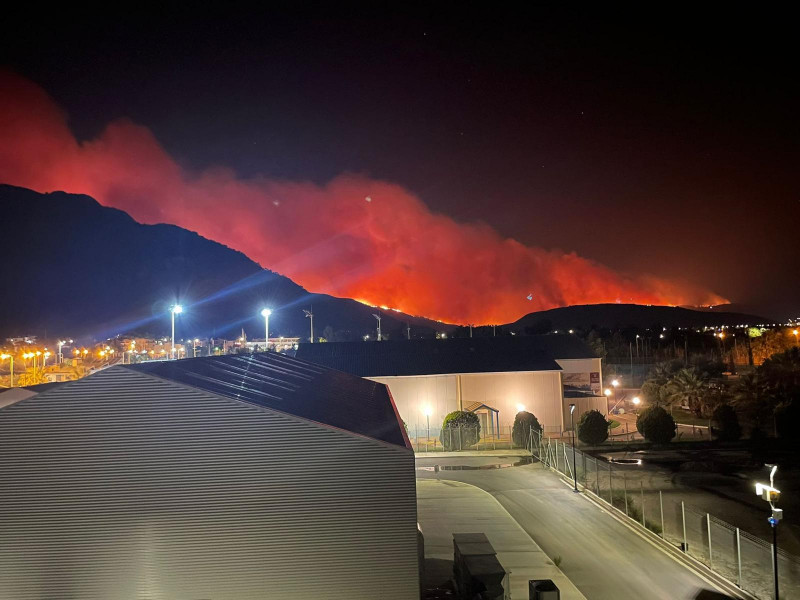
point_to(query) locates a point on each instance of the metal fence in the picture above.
(737, 555)
(459, 439)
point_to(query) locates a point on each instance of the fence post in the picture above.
(739, 557)
(625, 491)
(683, 518)
(641, 487)
(610, 487)
(710, 553)
(459, 438)
(661, 505)
(597, 477)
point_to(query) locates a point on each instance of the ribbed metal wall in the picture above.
(123, 486)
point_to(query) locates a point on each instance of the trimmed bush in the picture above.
(521, 431)
(656, 425)
(592, 428)
(460, 429)
(725, 424)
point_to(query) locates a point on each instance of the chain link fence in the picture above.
(459, 439)
(737, 555)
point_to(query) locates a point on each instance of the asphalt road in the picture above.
(601, 556)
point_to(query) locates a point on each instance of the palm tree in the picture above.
(689, 388)
(754, 398)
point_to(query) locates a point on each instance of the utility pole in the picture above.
(408, 330)
(378, 317)
(470, 330)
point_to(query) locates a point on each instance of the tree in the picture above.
(460, 429)
(521, 430)
(725, 424)
(592, 428)
(690, 388)
(656, 425)
(752, 397)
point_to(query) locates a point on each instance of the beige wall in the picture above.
(537, 392)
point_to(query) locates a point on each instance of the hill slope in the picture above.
(71, 267)
(620, 316)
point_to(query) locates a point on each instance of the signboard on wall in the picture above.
(582, 383)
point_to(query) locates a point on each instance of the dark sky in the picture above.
(660, 142)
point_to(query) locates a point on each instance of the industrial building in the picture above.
(495, 377)
(243, 476)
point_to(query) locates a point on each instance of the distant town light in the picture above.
(607, 392)
(615, 383)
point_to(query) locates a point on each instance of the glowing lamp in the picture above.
(636, 400)
(520, 407)
(607, 392)
(266, 312)
(177, 309)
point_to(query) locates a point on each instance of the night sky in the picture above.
(659, 145)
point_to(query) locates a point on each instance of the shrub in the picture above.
(460, 429)
(656, 425)
(725, 424)
(521, 431)
(592, 428)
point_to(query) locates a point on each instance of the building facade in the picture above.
(494, 377)
(244, 477)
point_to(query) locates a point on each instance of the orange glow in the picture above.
(353, 237)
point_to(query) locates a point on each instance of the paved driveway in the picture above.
(603, 558)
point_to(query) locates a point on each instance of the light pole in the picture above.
(574, 463)
(427, 410)
(266, 312)
(771, 495)
(175, 310)
(310, 315)
(378, 317)
(11, 365)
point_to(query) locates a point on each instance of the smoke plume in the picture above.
(355, 236)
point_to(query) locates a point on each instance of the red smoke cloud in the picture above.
(355, 237)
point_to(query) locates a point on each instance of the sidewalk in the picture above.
(446, 507)
(515, 452)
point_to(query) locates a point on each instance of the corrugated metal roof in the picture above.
(292, 386)
(437, 357)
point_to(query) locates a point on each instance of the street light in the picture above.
(574, 464)
(310, 315)
(175, 310)
(378, 317)
(427, 412)
(771, 495)
(266, 312)
(11, 365)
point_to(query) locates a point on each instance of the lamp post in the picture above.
(574, 462)
(378, 317)
(266, 312)
(427, 410)
(11, 365)
(771, 495)
(175, 310)
(310, 315)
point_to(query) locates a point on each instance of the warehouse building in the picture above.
(495, 377)
(243, 476)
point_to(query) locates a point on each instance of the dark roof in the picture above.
(292, 386)
(456, 355)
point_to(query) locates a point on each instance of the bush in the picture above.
(521, 431)
(656, 425)
(725, 424)
(460, 429)
(592, 428)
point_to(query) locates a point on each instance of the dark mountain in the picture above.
(71, 267)
(620, 316)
